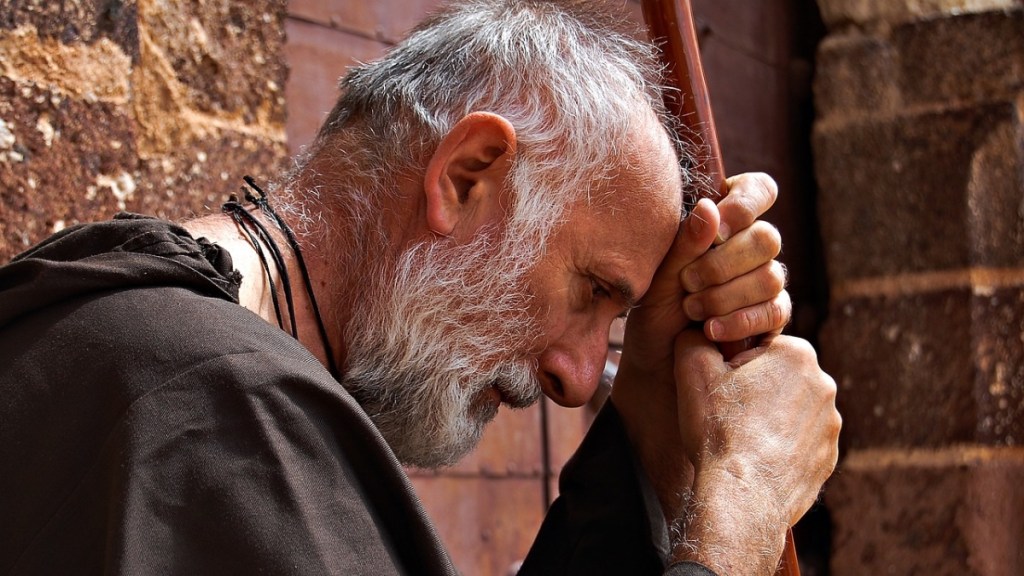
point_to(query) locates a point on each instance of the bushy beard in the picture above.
(436, 336)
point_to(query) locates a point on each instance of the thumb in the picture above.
(695, 236)
(698, 365)
(698, 360)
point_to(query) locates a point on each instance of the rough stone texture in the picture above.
(998, 320)
(70, 22)
(841, 13)
(930, 369)
(905, 193)
(65, 160)
(919, 148)
(904, 143)
(981, 56)
(957, 512)
(147, 106)
(856, 75)
(225, 56)
(885, 73)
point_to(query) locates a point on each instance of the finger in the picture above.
(760, 285)
(696, 234)
(746, 251)
(750, 196)
(764, 318)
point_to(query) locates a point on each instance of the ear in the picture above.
(465, 178)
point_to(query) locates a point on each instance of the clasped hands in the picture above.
(736, 448)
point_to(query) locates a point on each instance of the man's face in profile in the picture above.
(456, 330)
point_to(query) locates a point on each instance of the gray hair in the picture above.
(569, 76)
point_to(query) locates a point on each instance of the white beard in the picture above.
(437, 339)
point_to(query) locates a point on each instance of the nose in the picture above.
(570, 370)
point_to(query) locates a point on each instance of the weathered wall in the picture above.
(919, 145)
(145, 105)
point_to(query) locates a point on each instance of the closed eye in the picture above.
(600, 291)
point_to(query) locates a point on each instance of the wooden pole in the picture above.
(671, 26)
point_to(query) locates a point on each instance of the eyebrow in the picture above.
(625, 291)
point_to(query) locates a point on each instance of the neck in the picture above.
(255, 292)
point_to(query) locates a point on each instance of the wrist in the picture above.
(730, 524)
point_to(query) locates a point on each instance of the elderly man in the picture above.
(236, 395)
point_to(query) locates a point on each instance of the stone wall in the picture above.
(919, 144)
(147, 106)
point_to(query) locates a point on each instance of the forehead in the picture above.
(628, 226)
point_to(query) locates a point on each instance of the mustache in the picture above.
(520, 387)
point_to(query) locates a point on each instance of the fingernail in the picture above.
(723, 232)
(691, 281)
(714, 329)
(694, 310)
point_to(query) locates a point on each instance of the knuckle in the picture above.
(747, 208)
(804, 348)
(773, 282)
(714, 270)
(775, 316)
(766, 187)
(751, 320)
(781, 272)
(766, 238)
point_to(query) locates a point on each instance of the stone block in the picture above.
(997, 317)
(969, 58)
(918, 192)
(903, 378)
(929, 369)
(957, 511)
(68, 160)
(857, 74)
(975, 57)
(62, 161)
(81, 21)
(165, 126)
(199, 178)
(227, 57)
(840, 14)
